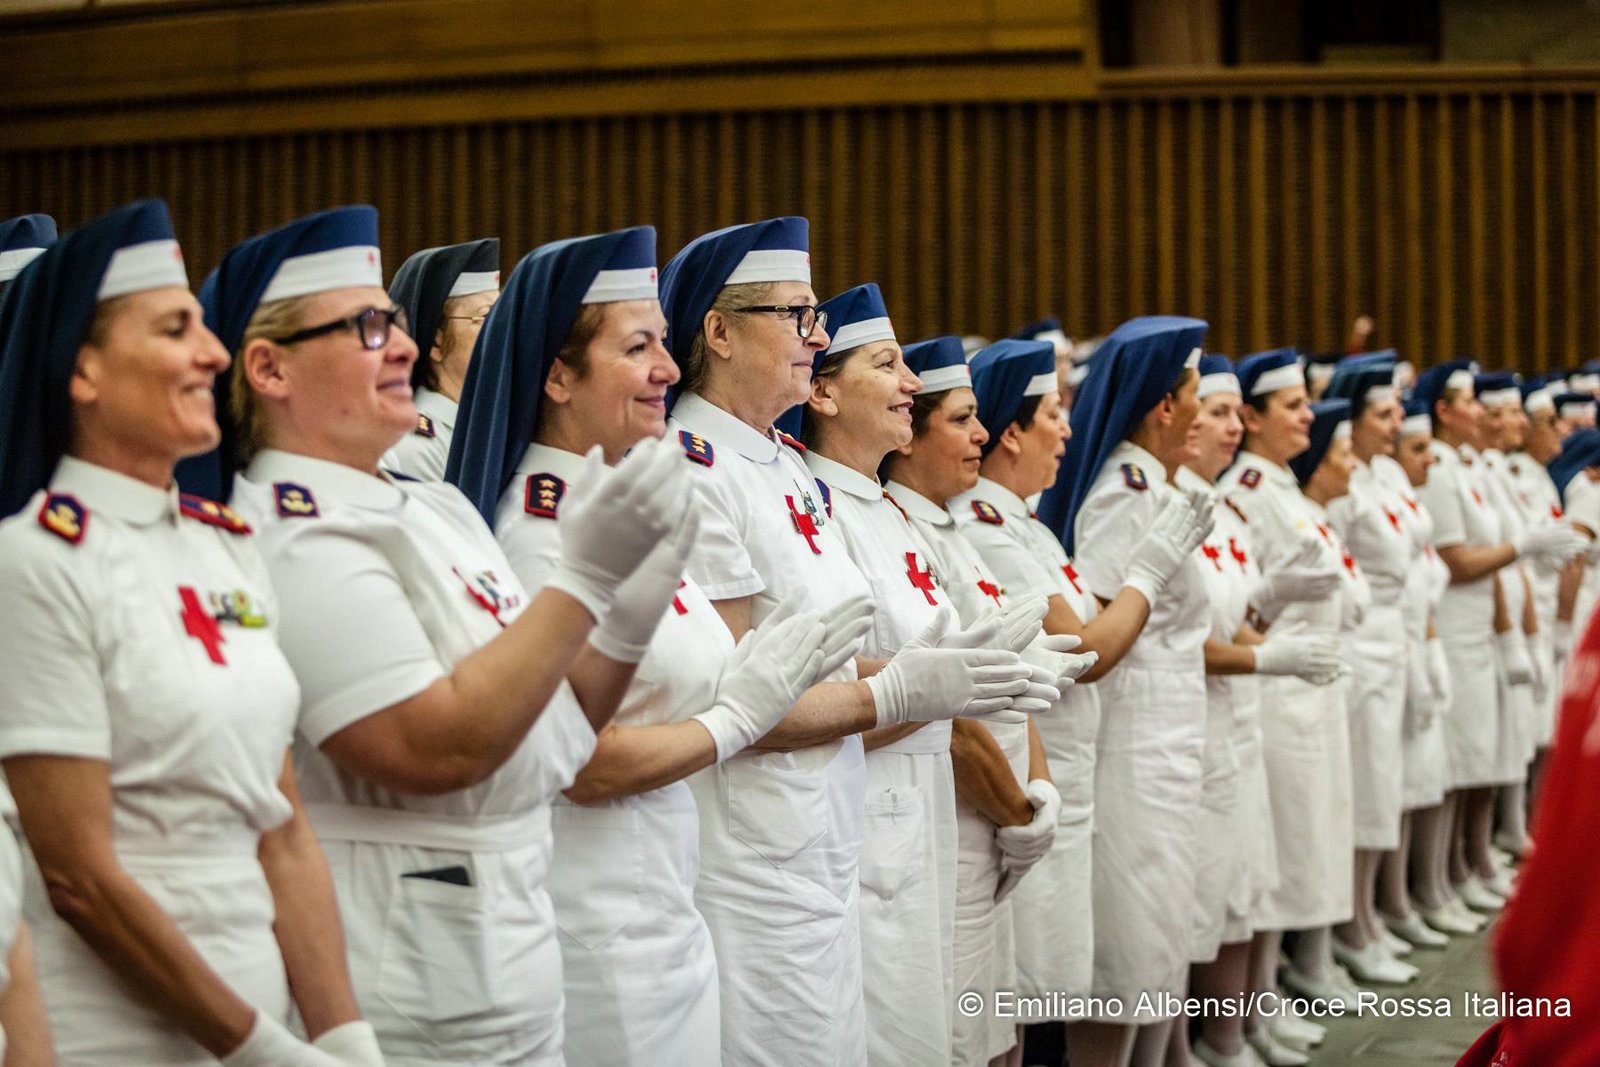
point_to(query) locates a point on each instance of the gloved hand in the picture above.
(354, 1043)
(769, 669)
(1561, 639)
(611, 520)
(1541, 671)
(1180, 523)
(1514, 656)
(269, 1044)
(1310, 574)
(1020, 621)
(846, 623)
(1023, 846)
(932, 684)
(1353, 605)
(1439, 676)
(1556, 542)
(1054, 653)
(1041, 694)
(1310, 656)
(644, 597)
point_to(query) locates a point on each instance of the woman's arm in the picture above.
(1110, 633)
(463, 727)
(600, 683)
(307, 926)
(1224, 657)
(1567, 587)
(983, 776)
(22, 1014)
(1502, 615)
(1038, 762)
(1468, 563)
(65, 808)
(629, 760)
(1530, 618)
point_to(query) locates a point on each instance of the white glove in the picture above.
(353, 1043)
(270, 1045)
(772, 665)
(1019, 622)
(1042, 692)
(1514, 656)
(1023, 846)
(644, 597)
(1439, 676)
(932, 684)
(1054, 653)
(1561, 638)
(610, 520)
(1180, 523)
(1313, 657)
(1541, 673)
(1554, 541)
(1419, 708)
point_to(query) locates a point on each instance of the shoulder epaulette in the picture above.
(294, 501)
(1250, 478)
(827, 496)
(212, 513)
(425, 426)
(63, 516)
(791, 442)
(542, 495)
(697, 448)
(1133, 477)
(987, 512)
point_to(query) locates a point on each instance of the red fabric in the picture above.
(1493, 1049)
(1548, 940)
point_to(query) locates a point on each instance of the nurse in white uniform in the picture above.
(1131, 426)
(990, 759)
(447, 293)
(1472, 619)
(1237, 858)
(781, 824)
(436, 724)
(1053, 908)
(176, 892)
(574, 350)
(1368, 520)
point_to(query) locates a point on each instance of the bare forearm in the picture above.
(1223, 657)
(1113, 631)
(307, 926)
(22, 1014)
(1567, 589)
(1468, 563)
(1530, 618)
(629, 760)
(1502, 616)
(600, 683)
(825, 712)
(983, 776)
(1038, 762)
(888, 735)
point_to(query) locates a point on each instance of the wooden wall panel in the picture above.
(1465, 220)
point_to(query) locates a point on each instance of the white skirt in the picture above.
(1514, 730)
(1258, 869)
(1306, 747)
(908, 874)
(1544, 709)
(1471, 726)
(1220, 848)
(1376, 706)
(1146, 813)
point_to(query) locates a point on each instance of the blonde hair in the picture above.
(278, 318)
(729, 298)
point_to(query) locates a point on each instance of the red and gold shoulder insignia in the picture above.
(542, 495)
(63, 516)
(697, 448)
(1250, 478)
(294, 501)
(425, 426)
(988, 513)
(212, 513)
(1133, 477)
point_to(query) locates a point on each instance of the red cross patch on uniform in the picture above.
(697, 448)
(212, 513)
(425, 427)
(1251, 477)
(1134, 478)
(542, 495)
(63, 516)
(294, 501)
(987, 512)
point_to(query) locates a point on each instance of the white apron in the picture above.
(1538, 501)
(1515, 738)
(1151, 747)
(1304, 727)
(623, 870)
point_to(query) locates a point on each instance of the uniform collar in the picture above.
(118, 495)
(1143, 458)
(918, 506)
(1005, 501)
(1188, 479)
(438, 407)
(1283, 476)
(344, 484)
(542, 459)
(845, 479)
(721, 428)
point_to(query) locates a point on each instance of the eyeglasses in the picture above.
(371, 325)
(807, 319)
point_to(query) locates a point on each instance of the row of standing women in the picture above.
(521, 695)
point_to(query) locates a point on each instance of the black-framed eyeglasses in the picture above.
(371, 325)
(806, 316)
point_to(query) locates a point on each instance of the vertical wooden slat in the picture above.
(1081, 305)
(1134, 217)
(1477, 229)
(1508, 228)
(1107, 273)
(1231, 336)
(1443, 225)
(1541, 238)
(1258, 294)
(1414, 230)
(1166, 244)
(1571, 310)
(1198, 216)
